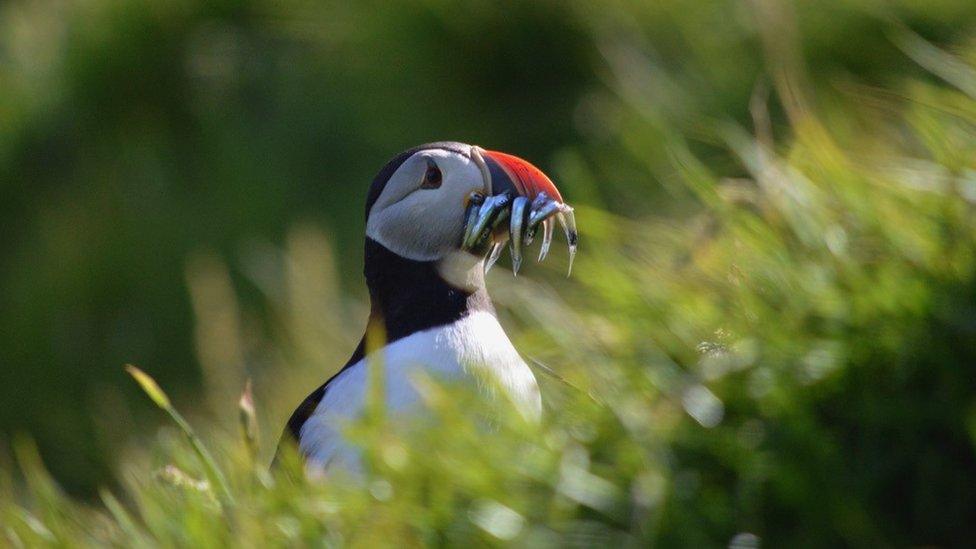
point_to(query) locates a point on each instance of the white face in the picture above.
(420, 213)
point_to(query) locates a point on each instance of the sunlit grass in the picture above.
(773, 363)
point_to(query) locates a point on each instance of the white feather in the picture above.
(450, 352)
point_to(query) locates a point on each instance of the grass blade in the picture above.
(213, 472)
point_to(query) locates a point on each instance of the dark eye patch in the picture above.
(432, 177)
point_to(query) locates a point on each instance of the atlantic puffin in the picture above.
(437, 218)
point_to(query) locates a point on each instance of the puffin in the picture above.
(437, 218)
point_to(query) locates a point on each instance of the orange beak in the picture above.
(511, 173)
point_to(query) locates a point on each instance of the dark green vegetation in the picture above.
(774, 305)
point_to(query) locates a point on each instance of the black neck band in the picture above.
(409, 296)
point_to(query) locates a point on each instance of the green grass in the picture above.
(788, 354)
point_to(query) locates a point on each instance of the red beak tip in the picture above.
(529, 180)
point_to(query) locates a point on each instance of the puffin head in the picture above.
(432, 202)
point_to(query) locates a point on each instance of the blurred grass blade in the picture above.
(150, 387)
(213, 472)
(248, 420)
(134, 535)
(940, 63)
(48, 519)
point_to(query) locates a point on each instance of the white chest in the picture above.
(467, 349)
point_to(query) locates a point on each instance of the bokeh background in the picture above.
(137, 134)
(181, 187)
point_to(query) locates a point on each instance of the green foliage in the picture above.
(213, 473)
(768, 334)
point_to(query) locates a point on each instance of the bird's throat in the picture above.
(408, 296)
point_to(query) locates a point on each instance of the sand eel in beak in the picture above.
(437, 217)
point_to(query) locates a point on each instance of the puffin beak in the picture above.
(527, 198)
(510, 173)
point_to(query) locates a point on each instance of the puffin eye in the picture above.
(432, 178)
